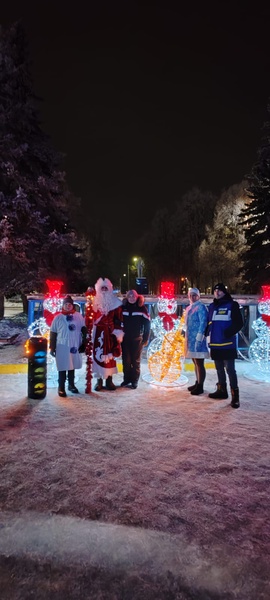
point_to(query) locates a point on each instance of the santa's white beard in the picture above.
(104, 302)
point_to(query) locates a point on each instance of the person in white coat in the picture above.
(67, 342)
(196, 318)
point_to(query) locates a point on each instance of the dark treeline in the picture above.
(204, 239)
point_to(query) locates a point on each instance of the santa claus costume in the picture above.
(108, 333)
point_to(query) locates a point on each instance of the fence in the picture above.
(248, 305)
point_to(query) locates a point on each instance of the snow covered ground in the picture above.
(147, 493)
(14, 354)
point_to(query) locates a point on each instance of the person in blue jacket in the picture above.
(224, 322)
(137, 329)
(196, 318)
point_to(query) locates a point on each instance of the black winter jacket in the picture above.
(136, 320)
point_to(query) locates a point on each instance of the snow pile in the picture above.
(14, 326)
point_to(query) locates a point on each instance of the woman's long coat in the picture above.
(196, 319)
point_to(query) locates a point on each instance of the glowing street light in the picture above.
(136, 263)
(139, 264)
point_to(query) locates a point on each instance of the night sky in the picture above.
(148, 99)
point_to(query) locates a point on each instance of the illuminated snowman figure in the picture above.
(165, 352)
(259, 351)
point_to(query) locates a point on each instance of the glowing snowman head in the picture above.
(264, 302)
(167, 305)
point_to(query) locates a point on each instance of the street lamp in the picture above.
(139, 264)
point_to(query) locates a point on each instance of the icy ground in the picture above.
(149, 494)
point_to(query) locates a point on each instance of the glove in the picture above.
(198, 346)
(81, 348)
(53, 353)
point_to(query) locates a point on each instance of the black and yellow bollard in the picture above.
(37, 367)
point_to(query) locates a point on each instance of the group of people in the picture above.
(214, 328)
(122, 328)
(119, 328)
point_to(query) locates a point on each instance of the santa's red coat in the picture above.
(106, 347)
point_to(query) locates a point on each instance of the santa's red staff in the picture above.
(89, 313)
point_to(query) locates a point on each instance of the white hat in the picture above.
(193, 291)
(103, 283)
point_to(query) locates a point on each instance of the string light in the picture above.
(89, 317)
(167, 289)
(165, 354)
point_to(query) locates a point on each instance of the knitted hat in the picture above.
(193, 291)
(221, 287)
(68, 299)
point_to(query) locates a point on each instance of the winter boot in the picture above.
(197, 390)
(71, 386)
(98, 385)
(109, 384)
(235, 403)
(192, 387)
(124, 383)
(73, 389)
(61, 384)
(220, 393)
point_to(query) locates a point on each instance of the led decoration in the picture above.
(167, 319)
(90, 293)
(52, 303)
(37, 353)
(38, 327)
(166, 351)
(259, 350)
(167, 289)
(165, 354)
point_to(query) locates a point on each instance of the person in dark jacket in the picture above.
(224, 322)
(137, 329)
